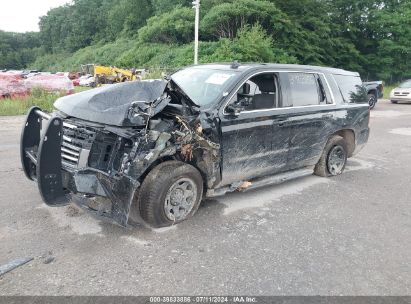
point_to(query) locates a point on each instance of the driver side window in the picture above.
(258, 93)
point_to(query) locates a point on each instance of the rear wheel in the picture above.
(333, 159)
(394, 101)
(372, 100)
(171, 193)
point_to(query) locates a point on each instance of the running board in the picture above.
(261, 182)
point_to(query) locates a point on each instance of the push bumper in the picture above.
(109, 197)
(40, 151)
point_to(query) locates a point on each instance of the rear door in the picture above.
(311, 115)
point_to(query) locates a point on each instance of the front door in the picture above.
(254, 142)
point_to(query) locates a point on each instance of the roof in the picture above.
(274, 66)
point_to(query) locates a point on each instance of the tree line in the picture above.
(369, 36)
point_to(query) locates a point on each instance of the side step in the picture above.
(261, 182)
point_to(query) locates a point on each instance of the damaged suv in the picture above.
(150, 151)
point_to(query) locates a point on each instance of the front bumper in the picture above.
(105, 195)
(400, 99)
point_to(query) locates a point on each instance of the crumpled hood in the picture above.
(110, 104)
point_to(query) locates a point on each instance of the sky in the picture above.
(23, 15)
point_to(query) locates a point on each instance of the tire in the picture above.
(170, 194)
(394, 101)
(372, 100)
(326, 166)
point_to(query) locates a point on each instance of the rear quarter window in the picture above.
(351, 88)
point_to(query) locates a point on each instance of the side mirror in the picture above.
(233, 111)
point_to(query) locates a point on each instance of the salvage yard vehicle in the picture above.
(150, 151)
(375, 90)
(402, 93)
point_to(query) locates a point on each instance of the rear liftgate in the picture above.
(40, 151)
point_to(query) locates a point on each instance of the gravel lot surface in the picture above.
(349, 235)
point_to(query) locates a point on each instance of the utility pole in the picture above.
(196, 6)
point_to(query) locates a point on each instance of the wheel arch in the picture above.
(373, 92)
(154, 164)
(349, 137)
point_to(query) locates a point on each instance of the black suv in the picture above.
(150, 151)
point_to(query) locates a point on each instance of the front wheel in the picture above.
(333, 159)
(372, 100)
(171, 193)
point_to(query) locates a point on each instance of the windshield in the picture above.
(406, 84)
(204, 85)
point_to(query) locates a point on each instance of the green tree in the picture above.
(392, 30)
(17, 50)
(176, 26)
(163, 6)
(252, 44)
(225, 20)
(128, 16)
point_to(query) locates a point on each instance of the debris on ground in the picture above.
(73, 211)
(47, 257)
(48, 260)
(240, 186)
(13, 265)
(244, 186)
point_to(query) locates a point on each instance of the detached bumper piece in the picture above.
(40, 150)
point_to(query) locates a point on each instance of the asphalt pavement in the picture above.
(348, 235)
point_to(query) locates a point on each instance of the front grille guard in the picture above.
(42, 160)
(40, 151)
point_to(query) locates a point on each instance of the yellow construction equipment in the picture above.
(109, 75)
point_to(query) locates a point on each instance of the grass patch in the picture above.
(388, 89)
(79, 89)
(40, 98)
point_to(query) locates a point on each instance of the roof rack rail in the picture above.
(235, 65)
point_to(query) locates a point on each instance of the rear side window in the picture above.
(304, 90)
(351, 88)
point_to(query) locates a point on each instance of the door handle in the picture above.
(280, 122)
(327, 116)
